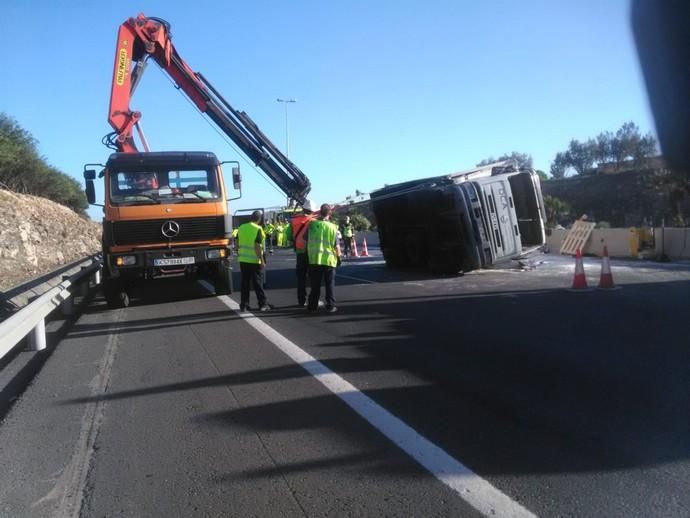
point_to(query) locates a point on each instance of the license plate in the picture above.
(173, 261)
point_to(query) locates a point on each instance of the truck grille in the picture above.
(149, 231)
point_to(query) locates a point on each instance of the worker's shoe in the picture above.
(331, 309)
(264, 308)
(244, 307)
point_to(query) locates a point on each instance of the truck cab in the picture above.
(165, 213)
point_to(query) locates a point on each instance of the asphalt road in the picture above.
(499, 392)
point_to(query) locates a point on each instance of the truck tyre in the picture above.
(115, 294)
(222, 278)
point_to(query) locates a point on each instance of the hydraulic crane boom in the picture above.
(142, 38)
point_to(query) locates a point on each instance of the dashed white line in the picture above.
(476, 491)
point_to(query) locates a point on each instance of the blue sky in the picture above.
(386, 90)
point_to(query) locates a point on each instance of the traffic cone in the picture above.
(606, 279)
(365, 250)
(354, 248)
(579, 281)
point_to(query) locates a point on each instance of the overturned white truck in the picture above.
(461, 221)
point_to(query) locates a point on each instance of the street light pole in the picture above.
(287, 130)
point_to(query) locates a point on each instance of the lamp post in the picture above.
(287, 130)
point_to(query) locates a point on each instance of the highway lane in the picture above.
(569, 403)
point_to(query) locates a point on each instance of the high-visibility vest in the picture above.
(321, 243)
(299, 226)
(348, 230)
(269, 229)
(247, 239)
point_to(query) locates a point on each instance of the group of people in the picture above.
(277, 234)
(317, 248)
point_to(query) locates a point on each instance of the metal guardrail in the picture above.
(30, 320)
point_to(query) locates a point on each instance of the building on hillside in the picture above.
(652, 162)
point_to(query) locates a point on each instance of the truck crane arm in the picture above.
(142, 38)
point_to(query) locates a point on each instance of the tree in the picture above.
(581, 155)
(524, 160)
(559, 165)
(604, 149)
(629, 144)
(542, 175)
(23, 170)
(555, 209)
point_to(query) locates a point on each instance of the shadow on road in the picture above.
(519, 382)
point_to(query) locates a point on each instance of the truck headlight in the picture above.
(126, 260)
(215, 253)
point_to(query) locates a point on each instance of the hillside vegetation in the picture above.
(24, 171)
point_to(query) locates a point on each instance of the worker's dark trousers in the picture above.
(348, 245)
(318, 273)
(252, 274)
(302, 270)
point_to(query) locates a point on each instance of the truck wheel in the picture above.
(115, 294)
(222, 279)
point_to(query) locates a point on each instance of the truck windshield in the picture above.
(152, 186)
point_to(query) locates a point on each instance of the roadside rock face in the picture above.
(38, 235)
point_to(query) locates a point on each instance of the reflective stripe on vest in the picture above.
(321, 243)
(247, 239)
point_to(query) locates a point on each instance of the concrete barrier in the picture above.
(372, 238)
(624, 242)
(672, 242)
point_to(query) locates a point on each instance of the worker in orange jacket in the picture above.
(296, 230)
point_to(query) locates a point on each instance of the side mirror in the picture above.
(236, 177)
(90, 174)
(90, 190)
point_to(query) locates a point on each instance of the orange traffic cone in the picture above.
(579, 281)
(606, 280)
(365, 250)
(354, 248)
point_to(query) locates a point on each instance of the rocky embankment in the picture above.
(38, 235)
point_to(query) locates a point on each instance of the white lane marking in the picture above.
(353, 278)
(476, 491)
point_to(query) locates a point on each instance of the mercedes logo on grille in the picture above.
(170, 229)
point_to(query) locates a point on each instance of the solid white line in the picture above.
(476, 491)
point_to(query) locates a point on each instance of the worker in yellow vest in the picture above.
(270, 230)
(252, 260)
(324, 256)
(348, 231)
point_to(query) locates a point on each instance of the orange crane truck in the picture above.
(166, 213)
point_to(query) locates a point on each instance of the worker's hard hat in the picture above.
(310, 205)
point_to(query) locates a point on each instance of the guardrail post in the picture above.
(37, 336)
(84, 285)
(67, 305)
